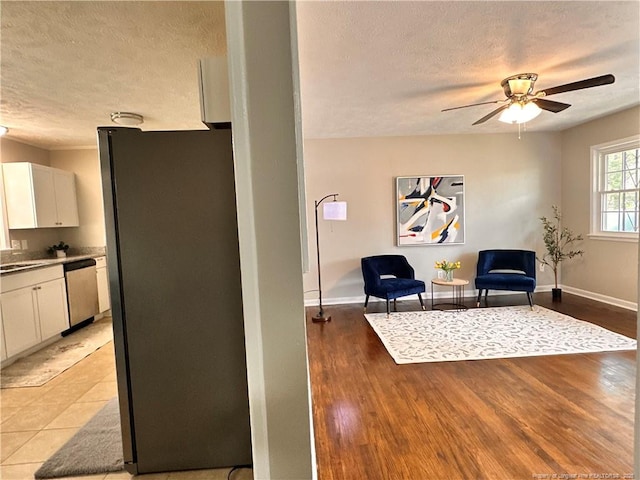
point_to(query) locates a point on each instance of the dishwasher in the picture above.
(82, 290)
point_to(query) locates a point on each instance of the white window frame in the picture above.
(597, 155)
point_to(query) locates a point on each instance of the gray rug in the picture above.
(95, 448)
(38, 368)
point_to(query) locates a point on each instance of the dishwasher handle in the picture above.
(78, 264)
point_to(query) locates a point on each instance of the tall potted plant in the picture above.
(558, 241)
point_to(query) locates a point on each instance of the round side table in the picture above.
(457, 284)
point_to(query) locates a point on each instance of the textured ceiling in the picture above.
(67, 65)
(389, 68)
(367, 68)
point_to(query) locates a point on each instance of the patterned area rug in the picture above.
(38, 368)
(484, 333)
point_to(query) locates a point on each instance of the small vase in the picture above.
(61, 253)
(556, 294)
(448, 275)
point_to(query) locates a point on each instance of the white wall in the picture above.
(12, 151)
(607, 267)
(261, 55)
(509, 184)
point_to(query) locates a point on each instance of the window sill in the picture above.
(614, 237)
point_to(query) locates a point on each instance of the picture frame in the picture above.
(430, 210)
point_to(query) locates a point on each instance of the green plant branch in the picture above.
(557, 240)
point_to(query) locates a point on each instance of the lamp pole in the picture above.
(320, 317)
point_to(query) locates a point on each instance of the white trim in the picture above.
(595, 220)
(79, 147)
(614, 237)
(468, 293)
(472, 292)
(614, 145)
(601, 298)
(242, 153)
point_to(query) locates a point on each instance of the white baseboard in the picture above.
(468, 293)
(601, 298)
(471, 293)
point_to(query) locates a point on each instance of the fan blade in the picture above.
(550, 105)
(492, 114)
(473, 105)
(588, 83)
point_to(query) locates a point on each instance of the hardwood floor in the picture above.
(518, 418)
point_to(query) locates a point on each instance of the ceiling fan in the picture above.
(522, 105)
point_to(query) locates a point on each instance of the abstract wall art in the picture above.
(430, 210)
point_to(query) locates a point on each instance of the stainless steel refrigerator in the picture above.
(174, 275)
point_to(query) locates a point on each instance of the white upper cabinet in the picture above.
(39, 196)
(64, 184)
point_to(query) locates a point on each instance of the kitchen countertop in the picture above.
(29, 265)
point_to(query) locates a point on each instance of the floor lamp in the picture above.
(332, 211)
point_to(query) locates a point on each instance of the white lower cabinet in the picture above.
(104, 301)
(20, 320)
(3, 346)
(51, 299)
(33, 307)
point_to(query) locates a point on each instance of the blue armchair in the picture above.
(401, 284)
(513, 270)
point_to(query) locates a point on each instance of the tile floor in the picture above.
(36, 421)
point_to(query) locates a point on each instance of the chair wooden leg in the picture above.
(479, 297)
(366, 302)
(421, 302)
(395, 305)
(530, 297)
(388, 312)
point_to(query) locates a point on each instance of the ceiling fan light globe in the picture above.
(520, 86)
(518, 113)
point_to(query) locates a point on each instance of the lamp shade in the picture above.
(334, 211)
(519, 113)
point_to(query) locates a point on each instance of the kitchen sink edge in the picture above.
(28, 265)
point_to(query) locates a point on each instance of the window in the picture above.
(616, 193)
